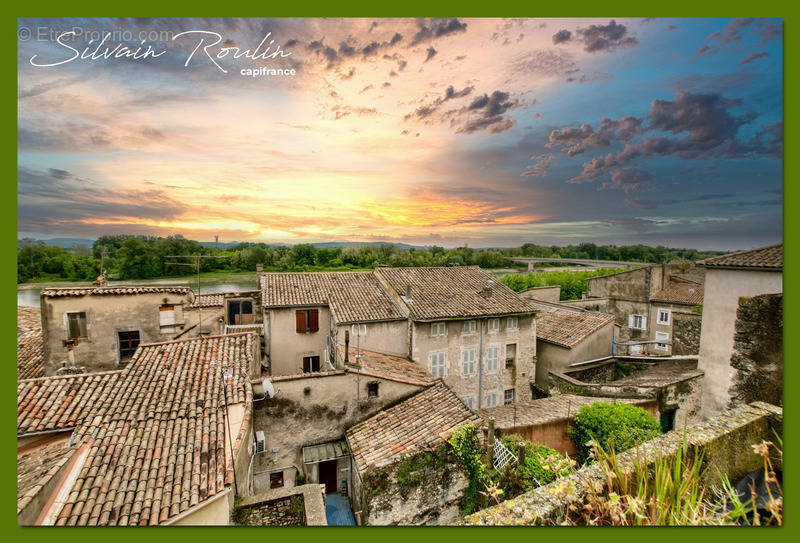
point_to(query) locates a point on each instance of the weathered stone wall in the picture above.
(550, 294)
(287, 511)
(686, 333)
(725, 441)
(425, 488)
(757, 358)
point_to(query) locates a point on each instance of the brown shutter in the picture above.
(313, 320)
(300, 319)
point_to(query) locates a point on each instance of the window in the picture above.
(77, 325)
(511, 354)
(662, 346)
(663, 316)
(310, 364)
(493, 325)
(439, 364)
(438, 329)
(372, 389)
(493, 358)
(469, 327)
(358, 330)
(128, 342)
(508, 397)
(307, 321)
(240, 312)
(166, 318)
(637, 322)
(468, 361)
(276, 479)
(468, 402)
(512, 323)
(491, 399)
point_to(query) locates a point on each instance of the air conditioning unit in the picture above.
(261, 442)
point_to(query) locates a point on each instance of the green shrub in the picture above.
(618, 426)
(542, 463)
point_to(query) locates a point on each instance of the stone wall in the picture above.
(757, 358)
(686, 333)
(726, 442)
(281, 512)
(425, 488)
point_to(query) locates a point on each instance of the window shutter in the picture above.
(644, 323)
(630, 321)
(313, 320)
(300, 319)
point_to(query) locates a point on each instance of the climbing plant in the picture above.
(467, 449)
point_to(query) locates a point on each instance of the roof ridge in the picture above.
(737, 253)
(69, 376)
(183, 340)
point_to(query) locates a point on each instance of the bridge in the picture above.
(530, 261)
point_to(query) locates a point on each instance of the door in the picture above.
(327, 476)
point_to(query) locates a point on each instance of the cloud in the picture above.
(430, 54)
(487, 113)
(704, 122)
(596, 38)
(627, 179)
(427, 110)
(437, 28)
(670, 28)
(562, 36)
(540, 167)
(704, 50)
(545, 62)
(652, 204)
(753, 56)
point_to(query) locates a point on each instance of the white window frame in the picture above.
(662, 346)
(443, 363)
(493, 326)
(493, 368)
(495, 397)
(506, 398)
(464, 351)
(512, 323)
(469, 327)
(440, 327)
(666, 312)
(469, 401)
(632, 322)
(358, 330)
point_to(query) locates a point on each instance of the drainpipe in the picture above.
(480, 365)
(346, 347)
(269, 340)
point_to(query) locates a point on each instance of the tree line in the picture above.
(144, 257)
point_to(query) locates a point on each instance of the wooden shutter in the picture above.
(313, 320)
(300, 319)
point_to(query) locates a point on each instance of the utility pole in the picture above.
(196, 265)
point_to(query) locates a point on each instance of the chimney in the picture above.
(408, 291)
(259, 269)
(346, 347)
(486, 292)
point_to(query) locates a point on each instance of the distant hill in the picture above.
(65, 243)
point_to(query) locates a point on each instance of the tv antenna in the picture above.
(196, 265)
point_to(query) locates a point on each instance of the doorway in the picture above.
(327, 476)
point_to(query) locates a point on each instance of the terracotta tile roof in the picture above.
(568, 328)
(30, 354)
(208, 300)
(695, 275)
(113, 291)
(37, 467)
(384, 366)
(680, 293)
(452, 292)
(416, 424)
(158, 444)
(61, 402)
(543, 411)
(765, 258)
(28, 318)
(351, 296)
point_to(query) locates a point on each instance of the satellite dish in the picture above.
(269, 390)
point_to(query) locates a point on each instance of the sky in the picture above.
(484, 132)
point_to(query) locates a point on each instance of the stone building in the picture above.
(565, 336)
(458, 322)
(166, 440)
(729, 278)
(469, 329)
(402, 470)
(674, 326)
(99, 328)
